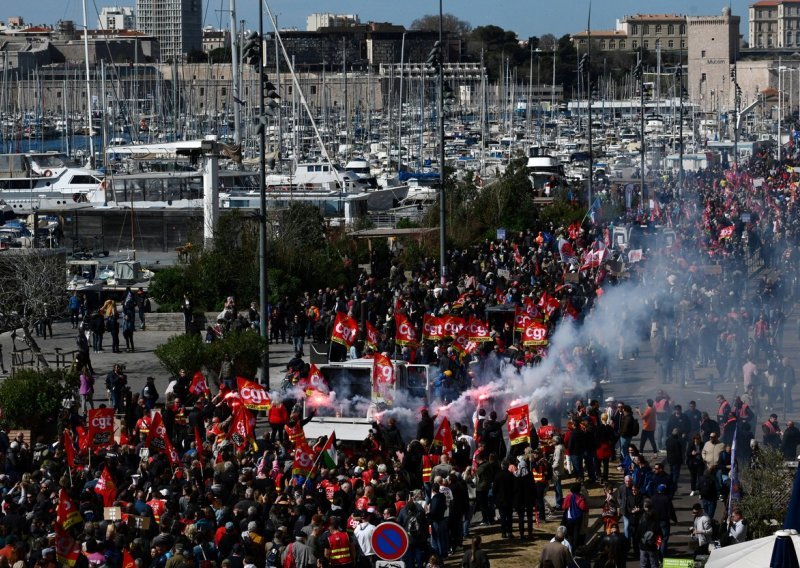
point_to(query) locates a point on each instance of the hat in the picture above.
(229, 526)
(661, 488)
(611, 399)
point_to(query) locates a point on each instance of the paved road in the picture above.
(636, 381)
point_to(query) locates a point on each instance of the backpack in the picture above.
(635, 427)
(288, 562)
(414, 525)
(274, 557)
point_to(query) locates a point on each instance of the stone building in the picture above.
(774, 24)
(713, 47)
(650, 30)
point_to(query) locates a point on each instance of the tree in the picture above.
(220, 55)
(450, 24)
(766, 488)
(546, 42)
(32, 399)
(197, 56)
(32, 285)
(497, 46)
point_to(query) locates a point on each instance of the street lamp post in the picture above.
(440, 106)
(263, 278)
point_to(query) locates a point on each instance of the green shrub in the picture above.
(32, 399)
(183, 352)
(190, 352)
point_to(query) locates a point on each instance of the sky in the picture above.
(525, 17)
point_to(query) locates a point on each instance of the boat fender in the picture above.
(47, 173)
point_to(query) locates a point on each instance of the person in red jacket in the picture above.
(278, 417)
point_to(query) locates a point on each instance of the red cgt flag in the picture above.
(444, 436)
(68, 550)
(106, 487)
(726, 232)
(69, 448)
(127, 559)
(304, 458)
(535, 334)
(521, 319)
(432, 328)
(101, 427)
(66, 512)
(478, 330)
(345, 330)
(372, 337)
(406, 334)
(519, 427)
(463, 344)
(254, 396)
(315, 382)
(199, 384)
(452, 325)
(241, 430)
(383, 377)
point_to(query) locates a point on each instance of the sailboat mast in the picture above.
(88, 82)
(237, 131)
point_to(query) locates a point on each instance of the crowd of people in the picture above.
(216, 492)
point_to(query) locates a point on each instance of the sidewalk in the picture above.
(139, 365)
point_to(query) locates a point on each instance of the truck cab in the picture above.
(352, 406)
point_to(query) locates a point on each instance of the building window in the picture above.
(602, 44)
(658, 29)
(683, 44)
(634, 29)
(683, 29)
(658, 43)
(702, 53)
(702, 76)
(670, 44)
(670, 29)
(797, 38)
(612, 44)
(646, 44)
(202, 91)
(634, 44)
(313, 89)
(646, 29)
(224, 92)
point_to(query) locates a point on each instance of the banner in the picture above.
(594, 259)
(452, 325)
(521, 319)
(635, 256)
(383, 378)
(462, 299)
(444, 436)
(345, 330)
(66, 512)
(405, 333)
(241, 430)
(519, 427)
(462, 343)
(535, 334)
(432, 328)
(372, 337)
(199, 384)
(726, 233)
(127, 559)
(254, 396)
(478, 330)
(101, 427)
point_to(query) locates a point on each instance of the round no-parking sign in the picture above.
(390, 541)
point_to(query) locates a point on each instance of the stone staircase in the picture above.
(173, 321)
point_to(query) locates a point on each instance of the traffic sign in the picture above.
(390, 541)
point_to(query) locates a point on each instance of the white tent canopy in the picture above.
(750, 554)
